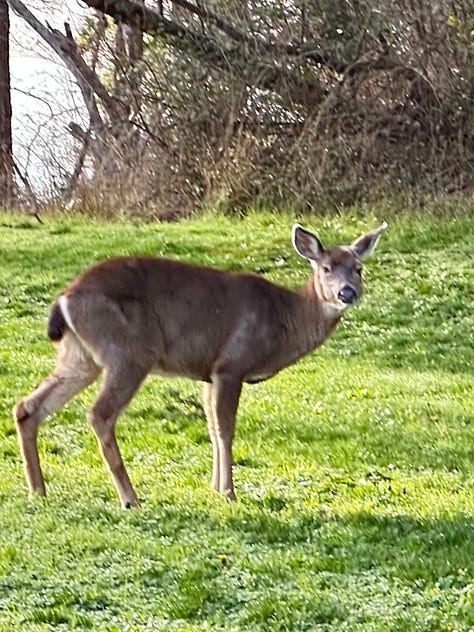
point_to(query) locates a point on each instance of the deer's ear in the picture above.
(306, 244)
(365, 245)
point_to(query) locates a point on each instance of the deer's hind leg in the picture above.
(75, 370)
(122, 378)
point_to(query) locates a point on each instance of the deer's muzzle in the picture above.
(347, 295)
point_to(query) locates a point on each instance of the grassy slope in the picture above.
(354, 468)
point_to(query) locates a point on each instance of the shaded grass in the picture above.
(353, 468)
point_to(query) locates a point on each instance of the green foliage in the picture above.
(353, 468)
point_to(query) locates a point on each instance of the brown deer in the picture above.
(126, 317)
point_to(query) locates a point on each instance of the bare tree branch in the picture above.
(73, 179)
(29, 193)
(227, 28)
(66, 48)
(234, 58)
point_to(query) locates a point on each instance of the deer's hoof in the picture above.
(130, 504)
(229, 495)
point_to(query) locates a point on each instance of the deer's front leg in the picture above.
(225, 393)
(212, 429)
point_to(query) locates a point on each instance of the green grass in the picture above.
(354, 468)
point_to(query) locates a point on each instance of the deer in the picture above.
(126, 317)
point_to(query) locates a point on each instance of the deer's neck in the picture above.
(318, 317)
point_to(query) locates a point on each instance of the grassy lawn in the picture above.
(354, 468)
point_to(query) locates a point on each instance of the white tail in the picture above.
(127, 317)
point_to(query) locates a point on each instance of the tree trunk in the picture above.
(6, 149)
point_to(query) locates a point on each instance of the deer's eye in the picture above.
(326, 269)
(359, 271)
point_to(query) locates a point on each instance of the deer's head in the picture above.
(337, 275)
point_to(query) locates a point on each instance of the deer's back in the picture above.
(179, 318)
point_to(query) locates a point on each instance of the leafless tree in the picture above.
(6, 152)
(108, 144)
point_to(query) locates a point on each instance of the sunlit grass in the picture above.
(354, 468)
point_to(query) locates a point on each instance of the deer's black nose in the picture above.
(347, 295)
